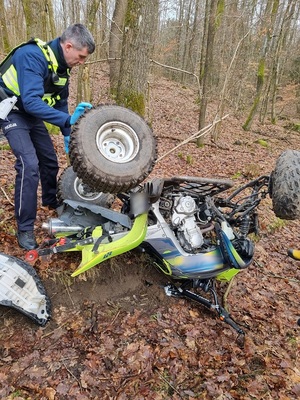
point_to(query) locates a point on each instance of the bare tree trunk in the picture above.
(179, 34)
(115, 43)
(271, 90)
(186, 41)
(3, 29)
(50, 18)
(286, 29)
(195, 34)
(35, 17)
(204, 42)
(140, 28)
(205, 74)
(298, 98)
(84, 75)
(268, 25)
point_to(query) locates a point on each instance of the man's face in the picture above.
(74, 56)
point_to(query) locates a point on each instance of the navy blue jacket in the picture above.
(32, 70)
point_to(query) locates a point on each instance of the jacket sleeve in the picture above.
(32, 69)
(62, 105)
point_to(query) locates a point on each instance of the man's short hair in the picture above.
(79, 36)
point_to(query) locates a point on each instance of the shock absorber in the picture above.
(245, 226)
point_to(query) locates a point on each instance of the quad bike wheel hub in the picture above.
(84, 192)
(117, 142)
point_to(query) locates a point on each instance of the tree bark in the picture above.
(138, 40)
(84, 71)
(35, 13)
(267, 27)
(205, 73)
(3, 30)
(115, 43)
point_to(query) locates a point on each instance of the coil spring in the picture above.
(245, 226)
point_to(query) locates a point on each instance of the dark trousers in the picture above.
(35, 160)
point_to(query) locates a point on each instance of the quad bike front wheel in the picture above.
(70, 187)
(285, 185)
(112, 149)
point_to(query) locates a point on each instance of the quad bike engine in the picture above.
(183, 219)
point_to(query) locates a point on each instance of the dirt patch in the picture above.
(126, 281)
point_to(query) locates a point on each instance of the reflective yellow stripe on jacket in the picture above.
(11, 80)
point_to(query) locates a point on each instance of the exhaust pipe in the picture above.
(57, 227)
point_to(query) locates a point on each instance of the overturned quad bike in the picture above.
(196, 230)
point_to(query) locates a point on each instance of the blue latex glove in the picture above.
(66, 142)
(79, 111)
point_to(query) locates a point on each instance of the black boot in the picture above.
(26, 240)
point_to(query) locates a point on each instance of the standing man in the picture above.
(37, 74)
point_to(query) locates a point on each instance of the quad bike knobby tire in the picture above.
(285, 185)
(112, 149)
(70, 187)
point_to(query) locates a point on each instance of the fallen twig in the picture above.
(286, 278)
(7, 198)
(60, 326)
(227, 293)
(71, 373)
(195, 135)
(167, 382)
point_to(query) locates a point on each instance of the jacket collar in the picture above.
(58, 51)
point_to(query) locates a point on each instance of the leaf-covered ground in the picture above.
(113, 332)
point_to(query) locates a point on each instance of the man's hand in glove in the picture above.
(79, 111)
(66, 142)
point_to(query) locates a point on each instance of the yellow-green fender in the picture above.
(106, 251)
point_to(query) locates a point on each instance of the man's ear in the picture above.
(68, 46)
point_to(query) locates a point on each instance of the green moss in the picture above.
(261, 72)
(5, 146)
(189, 159)
(276, 225)
(293, 127)
(133, 100)
(132, 13)
(220, 12)
(237, 175)
(247, 124)
(262, 142)
(113, 93)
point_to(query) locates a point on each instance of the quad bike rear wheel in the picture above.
(70, 187)
(112, 149)
(285, 185)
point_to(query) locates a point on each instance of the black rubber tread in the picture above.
(67, 190)
(285, 185)
(94, 168)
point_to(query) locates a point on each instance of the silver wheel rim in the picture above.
(84, 192)
(117, 142)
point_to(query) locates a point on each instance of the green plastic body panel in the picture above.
(108, 250)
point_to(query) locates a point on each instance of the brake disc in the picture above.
(22, 289)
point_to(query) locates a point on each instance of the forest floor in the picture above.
(114, 335)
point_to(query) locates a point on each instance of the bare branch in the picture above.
(196, 135)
